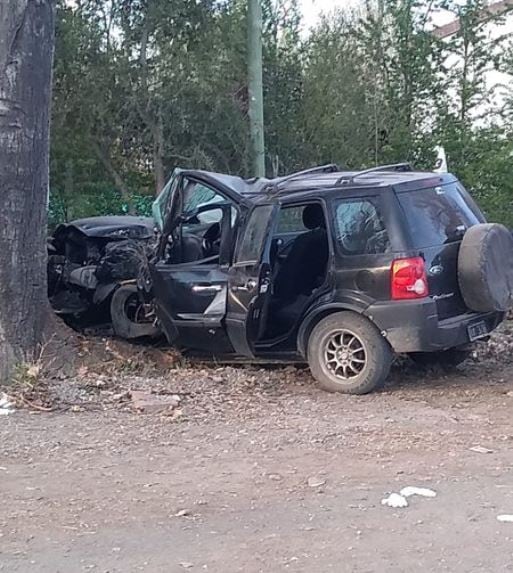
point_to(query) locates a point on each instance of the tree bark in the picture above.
(26, 52)
(157, 130)
(153, 120)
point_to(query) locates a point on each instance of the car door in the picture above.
(249, 280)
(190, 297)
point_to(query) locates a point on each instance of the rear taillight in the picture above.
(409, 279)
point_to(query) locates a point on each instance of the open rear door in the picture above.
(249, 280)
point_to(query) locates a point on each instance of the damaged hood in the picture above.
(112, 227)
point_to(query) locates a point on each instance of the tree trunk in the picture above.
(153, 120)
(26, 52)
(157, 130)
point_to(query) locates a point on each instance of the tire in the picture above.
(446, 358)
(123, 325)
(346, 373)
(485, 268)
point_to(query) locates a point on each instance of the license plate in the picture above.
(477, 330)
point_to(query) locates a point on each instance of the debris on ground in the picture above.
(6, 404)
(183, 513)
(109, 374)
(505, 518)
(148, 403)
(481, 450)
(395, 500)
(500, 345)
(316, 481)
(410, 490)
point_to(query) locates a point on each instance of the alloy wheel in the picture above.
(344, 355)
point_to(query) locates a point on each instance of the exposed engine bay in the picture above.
(93, 265)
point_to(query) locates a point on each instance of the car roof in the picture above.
(337, 180)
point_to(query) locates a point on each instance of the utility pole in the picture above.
(255, 90)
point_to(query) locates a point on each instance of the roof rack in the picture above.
(348, 179)
(329, 168)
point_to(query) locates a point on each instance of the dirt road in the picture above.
(264, 472)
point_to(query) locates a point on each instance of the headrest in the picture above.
(313, 216)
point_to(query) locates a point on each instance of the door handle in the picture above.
(207, 288)
(250, 285)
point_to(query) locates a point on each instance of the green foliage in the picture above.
(144, 86)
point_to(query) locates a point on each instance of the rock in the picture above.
(153, 403)
(186, 564)
(176, 413)
(315, 481)
(182, 513)
(6, 404)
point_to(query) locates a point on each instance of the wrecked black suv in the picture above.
(339, 269)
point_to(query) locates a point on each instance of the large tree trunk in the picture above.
(152, 119)
(157, 130)
(26, 51)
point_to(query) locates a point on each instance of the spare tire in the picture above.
(485, 267)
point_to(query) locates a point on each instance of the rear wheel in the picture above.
(347, 353)
(129, 314)
(447, 358)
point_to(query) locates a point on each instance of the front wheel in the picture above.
(128, 314)
(348, 354)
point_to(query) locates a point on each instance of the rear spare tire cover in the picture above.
(485, 267)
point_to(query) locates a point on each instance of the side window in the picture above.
(291, 220)
(253, 240)
(163, 204)
(197, 195)
(360, 228)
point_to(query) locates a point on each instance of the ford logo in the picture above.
(436, 270)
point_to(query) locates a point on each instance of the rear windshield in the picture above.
(437, 215)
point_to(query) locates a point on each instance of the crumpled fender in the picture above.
(103, 291)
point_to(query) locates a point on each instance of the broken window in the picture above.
(360, 228)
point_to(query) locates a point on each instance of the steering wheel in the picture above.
(212, 240)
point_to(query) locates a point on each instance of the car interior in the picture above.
(198, 235)
(299, 250)
(299, 262)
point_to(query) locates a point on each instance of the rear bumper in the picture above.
(413, 326)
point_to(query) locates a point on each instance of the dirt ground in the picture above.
(259, 471)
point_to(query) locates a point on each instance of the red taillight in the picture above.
(409, 279)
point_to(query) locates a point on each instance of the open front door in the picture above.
(190, 272)
(249, 281)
